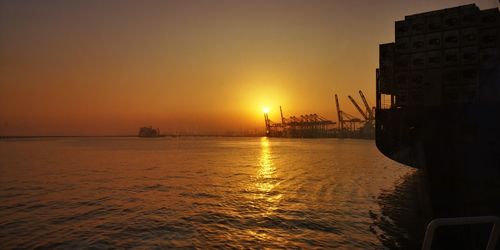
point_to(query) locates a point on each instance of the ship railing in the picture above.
(439, 222)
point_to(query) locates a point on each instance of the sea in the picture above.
(203, 193)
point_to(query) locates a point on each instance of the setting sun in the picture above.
(148, 124)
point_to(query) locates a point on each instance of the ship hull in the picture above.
(456, 146)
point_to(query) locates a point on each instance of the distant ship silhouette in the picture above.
(149, 132)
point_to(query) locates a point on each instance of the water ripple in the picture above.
(195, 193)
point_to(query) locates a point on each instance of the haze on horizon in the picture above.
(110, 67)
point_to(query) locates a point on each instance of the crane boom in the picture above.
(368, 109)
(282, 118)
(358, 108)
(339, 113)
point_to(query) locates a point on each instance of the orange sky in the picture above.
(109, 67)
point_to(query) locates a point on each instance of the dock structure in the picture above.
(353, 127)
(317, 126)
(303, 126)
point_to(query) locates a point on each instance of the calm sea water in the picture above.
(197, 193)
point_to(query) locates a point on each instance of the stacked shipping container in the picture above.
(441, 57)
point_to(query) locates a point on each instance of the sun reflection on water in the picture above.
(266, 179)
(266, 169)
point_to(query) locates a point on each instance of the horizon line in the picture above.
(163, 135)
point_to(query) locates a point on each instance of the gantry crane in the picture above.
(268, 124)
(368, 129)
(309, 125)
(282, 118)
(358, 108)
(350, 121)
(339, 113)
(369, 111)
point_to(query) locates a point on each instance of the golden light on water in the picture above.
(267, 169)
(266, 179)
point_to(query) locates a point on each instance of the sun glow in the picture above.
(265, 110)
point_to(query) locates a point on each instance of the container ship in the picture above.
(438, 106)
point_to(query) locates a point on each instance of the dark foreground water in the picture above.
(198, 193)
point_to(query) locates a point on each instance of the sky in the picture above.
(203, 67)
